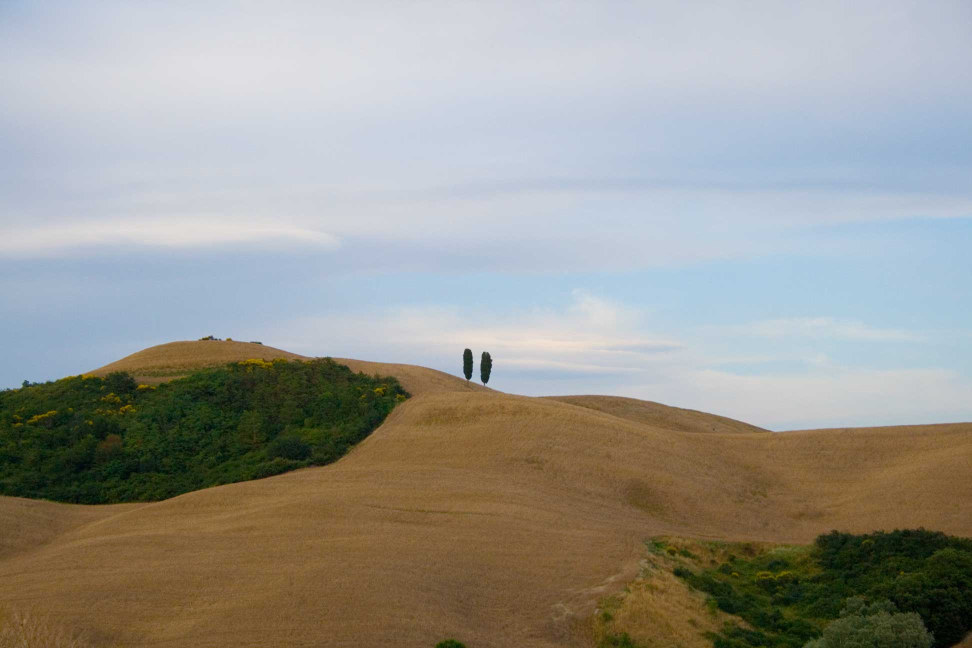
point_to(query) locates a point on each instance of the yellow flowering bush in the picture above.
(37, 418)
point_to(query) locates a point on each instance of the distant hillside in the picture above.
(661, 416)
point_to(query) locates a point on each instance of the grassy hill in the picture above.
(497, 519)
(166, 362)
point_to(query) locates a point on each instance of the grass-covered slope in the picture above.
(661, 416)
(92, 440)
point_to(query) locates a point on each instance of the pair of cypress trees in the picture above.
(485, 365)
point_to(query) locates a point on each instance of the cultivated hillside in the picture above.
(497, 519)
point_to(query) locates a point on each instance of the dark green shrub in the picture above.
(941, 593)
(733, 636)
(450, 643)
(288, 448)
(617, 641)
(777, 564)
(683, 573)
(120, 383)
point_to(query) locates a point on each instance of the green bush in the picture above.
(787, 596)
(878, 625)
(617, 641)
(288, 447)
(96, 440)
(450, 643)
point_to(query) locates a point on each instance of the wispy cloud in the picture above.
(589, 335)
(181, 232)
(540, 137)
(822, 328)
(543, 230)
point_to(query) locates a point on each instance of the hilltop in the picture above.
(176, 359)
(495, 518)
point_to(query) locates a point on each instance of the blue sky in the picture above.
(758, 209)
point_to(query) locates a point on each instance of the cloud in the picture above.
(822, 328)
(171, 233)
(835, 397)
(536, 137)
(589, 335)
(546, 230)
(497, 140)
(593, 345)
(201, 59)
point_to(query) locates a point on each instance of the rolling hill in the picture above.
(493, 518)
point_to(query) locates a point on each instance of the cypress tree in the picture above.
(467, 363)
(485, 366)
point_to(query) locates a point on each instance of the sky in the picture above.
(757, 209)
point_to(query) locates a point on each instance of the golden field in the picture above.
(496, 519)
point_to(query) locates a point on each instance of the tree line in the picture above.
(485, 365)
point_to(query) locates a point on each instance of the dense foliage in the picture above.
(878, 625)
(92, 440)
(789, 595)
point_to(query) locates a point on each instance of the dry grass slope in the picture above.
(19, 629)
(658, 609)
(497, 519)
(663, 416)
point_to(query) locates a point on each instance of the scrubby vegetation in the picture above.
(789, 595)
(91, 440)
